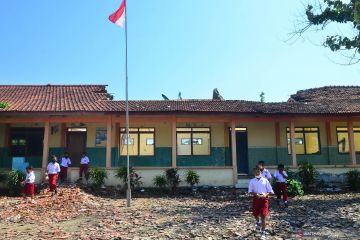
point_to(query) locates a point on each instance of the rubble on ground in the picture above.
(76, 214)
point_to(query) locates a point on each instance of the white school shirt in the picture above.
(84, 160)
(30, 177)
(260, 186)
(280, 178)
(266, 174)
(65, 162)
(53, 168)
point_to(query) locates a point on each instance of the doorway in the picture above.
(242, 158)
(76, 144)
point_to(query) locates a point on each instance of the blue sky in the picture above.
(190, 46)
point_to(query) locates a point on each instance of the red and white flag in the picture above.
(118, 17)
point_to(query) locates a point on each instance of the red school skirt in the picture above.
(29, 189)
(260, 206)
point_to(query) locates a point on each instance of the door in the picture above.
(241, 150)
(76, 145)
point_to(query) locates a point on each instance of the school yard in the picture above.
(222, 214)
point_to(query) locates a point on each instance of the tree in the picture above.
(262, 97)
(319, 16)
(4, 105)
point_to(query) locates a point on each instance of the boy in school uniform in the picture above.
(266, 173)
(29, 185)
(65, 163)
(259, 189)
(53, 170)
(84, 166)
(280, 176)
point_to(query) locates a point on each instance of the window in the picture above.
(343, 139)
(26, 142)
(193, 141)
(141, 141)
(307, 140)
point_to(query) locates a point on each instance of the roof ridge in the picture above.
(53, 85)
(326, 87)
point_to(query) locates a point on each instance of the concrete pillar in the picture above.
(108, 142)
(46, 145)
(233, 151)
(351, 142)
(173, 142)
(293, 144)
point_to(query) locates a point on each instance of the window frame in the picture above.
(304, 139)
(138, 132)
(191, 132)
(26, 132)
(343, 131)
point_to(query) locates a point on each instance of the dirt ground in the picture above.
(76, 214)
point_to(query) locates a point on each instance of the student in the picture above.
(280, 176)
(259, 189)
(84, 166)
(65, 163)
(29, 185)
(266, 173)
(53, 170)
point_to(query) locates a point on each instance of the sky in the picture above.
(188, 46)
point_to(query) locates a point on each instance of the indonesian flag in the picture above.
(118, 17)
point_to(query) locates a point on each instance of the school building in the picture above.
(221, 139)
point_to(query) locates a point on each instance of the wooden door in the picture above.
(76, 145)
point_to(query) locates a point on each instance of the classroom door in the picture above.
(76, 145)
(241, 150)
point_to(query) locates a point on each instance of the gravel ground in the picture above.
(75, 214)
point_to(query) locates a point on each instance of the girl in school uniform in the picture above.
(64, 165)
(259, 189)
(84, 166)
(280, 175)
(53, 170)
(29, 185)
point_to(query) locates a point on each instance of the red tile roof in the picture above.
(95, 98)
(54, 98)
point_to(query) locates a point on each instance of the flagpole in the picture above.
(128, 191)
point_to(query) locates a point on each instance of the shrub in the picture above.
(14, 180)
(192, 177)
(98, 176)
(307, 174)
(134, 177)
(160, 181)
(172, 178)
(4, 105)
(353, 179)
(294, 187)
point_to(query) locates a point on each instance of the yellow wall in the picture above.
(260, 134)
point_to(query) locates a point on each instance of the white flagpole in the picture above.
(128, 191)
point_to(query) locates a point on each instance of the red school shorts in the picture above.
(260, 206)
(29, 189)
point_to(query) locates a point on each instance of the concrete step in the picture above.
(243, 183)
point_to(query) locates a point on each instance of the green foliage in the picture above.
(192, 177)
(325, 12)
(353, 179)
(14, 180)
(172, 178)
(294, 187)
(4, 105)
(307, 174)
(160, 181)
(134, 177)
(98, 176)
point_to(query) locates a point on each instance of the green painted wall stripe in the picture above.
(162, 158)
(219, 157)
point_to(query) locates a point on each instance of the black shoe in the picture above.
(278, 202)
(286, 205)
